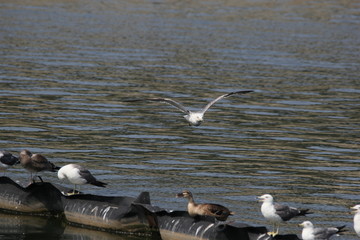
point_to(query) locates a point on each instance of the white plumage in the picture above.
(78, 175)
(309, 232)
(277, 213)
(193, 118)
(356, 211)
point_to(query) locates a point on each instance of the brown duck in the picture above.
(36, 162)
(220, 212)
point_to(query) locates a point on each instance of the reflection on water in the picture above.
(14, 227)
(66, 67)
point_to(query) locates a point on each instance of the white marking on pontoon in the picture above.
(197, 230)
(207, 228)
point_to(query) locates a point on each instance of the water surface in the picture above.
(67, 66)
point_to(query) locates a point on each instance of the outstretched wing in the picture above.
(221, 97)
(166, 100)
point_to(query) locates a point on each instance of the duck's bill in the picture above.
(180, 195)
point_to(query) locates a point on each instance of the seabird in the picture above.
(356, 211)
(220, 212)
(36, 163)
(7, 160)
(78, 175)
(194, 118)
(311, 233)
(277, 213)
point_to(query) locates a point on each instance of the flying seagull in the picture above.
(311, 233)
(36, 163)
(194, 118)
(356, 211)
(7, 160)
(277, 213)
(78, 175)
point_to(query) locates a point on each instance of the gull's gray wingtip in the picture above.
(341, 229)
(239, 92)
(132, 100)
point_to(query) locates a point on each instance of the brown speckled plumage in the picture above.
(35, 162)
(220, 212)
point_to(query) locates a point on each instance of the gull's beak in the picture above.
(354, 209)
(260, 199)
(301, 225)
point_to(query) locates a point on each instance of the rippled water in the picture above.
(67, 66)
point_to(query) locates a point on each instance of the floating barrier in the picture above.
(120, 215)
(180, 225)
(37, 199)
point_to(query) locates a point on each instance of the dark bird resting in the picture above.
(220, 212)
(7, 160)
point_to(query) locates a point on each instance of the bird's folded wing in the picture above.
(285, 212)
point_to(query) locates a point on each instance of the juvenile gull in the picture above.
(7, 160)
(78, 175)
(194, 118)
(311, 233)
(36, 163)
(220, 212)
(277, 213)
(356, 211)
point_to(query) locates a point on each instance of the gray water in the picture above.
(67, 66)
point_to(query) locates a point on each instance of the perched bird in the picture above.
(277, 213)
(7, 160)
(356, 211)
(78, 175)
(193, 118)
(311, 233)
(35, 163)
(220, 212)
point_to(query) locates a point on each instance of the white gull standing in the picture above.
(309, 232)
(356, 211)
(194, 118)
(78, 175)
(277, 213)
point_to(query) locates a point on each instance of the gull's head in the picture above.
(266, 198)
(25, 156)
(355, 209)
(194, 119)
(61, 173)
(306, 224)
